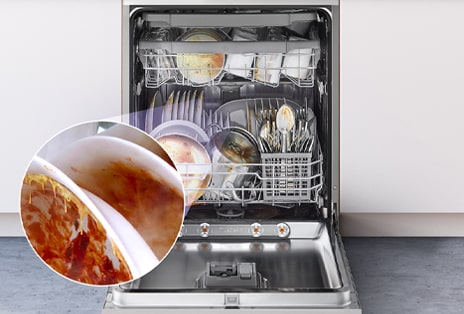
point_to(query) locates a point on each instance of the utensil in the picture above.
(285, 120)
(237, 112)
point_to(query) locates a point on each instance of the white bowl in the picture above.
(181, 127)
(201, 68)
(192, 161)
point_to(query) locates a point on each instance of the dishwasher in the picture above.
(245, 98)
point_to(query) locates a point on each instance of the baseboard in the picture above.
(402, 224)
(352, 225)
(10, 225)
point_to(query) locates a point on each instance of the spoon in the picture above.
(285, 120)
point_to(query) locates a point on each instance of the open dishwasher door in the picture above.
(303, 273)
(256, 87)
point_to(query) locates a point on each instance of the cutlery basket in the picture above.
(290, 176)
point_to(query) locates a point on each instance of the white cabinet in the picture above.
(402, 109)
(60, 64)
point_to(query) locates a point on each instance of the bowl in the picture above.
(182, 127)
(192, 161)
(201, 68)
(235, 156)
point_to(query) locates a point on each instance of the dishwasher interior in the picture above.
(257, 88)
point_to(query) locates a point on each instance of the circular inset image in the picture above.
(102, 203)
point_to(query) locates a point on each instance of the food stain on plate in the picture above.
(149, 203)
(67, 236)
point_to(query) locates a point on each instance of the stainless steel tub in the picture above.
(303, 271)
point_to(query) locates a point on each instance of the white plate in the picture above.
(193, 100)
(168, 108)
(180, 108)
(203, 119)
(209, 122)
(186, 106)
(199, 108)
(150, 114)
(175, 106)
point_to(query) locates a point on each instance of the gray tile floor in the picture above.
(393, 275)
(408, 275)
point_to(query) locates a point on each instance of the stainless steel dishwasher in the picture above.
(255, 85)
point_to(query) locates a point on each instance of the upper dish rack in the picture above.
(269, 62)
(203, 49)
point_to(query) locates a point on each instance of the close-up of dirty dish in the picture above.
(109, 210)
(77, 234)
(141, 186)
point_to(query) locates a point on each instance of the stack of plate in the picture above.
(186, 105)
(181, 105)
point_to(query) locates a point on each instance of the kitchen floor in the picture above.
(393, 275)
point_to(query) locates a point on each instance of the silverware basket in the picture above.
(291, 176)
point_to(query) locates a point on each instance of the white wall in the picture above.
(59, 65)
(402, 108)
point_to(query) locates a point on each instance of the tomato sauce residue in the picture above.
(66, 236)
(150, 204)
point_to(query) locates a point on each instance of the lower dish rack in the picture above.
(280, 178)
